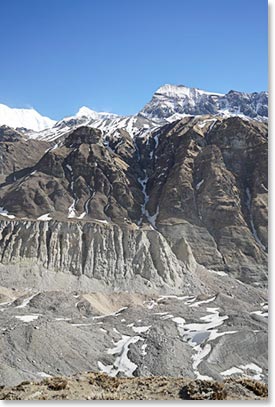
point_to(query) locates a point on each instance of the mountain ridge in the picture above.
(169, 100)
(168, 103)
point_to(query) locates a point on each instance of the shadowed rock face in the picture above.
(18, 154)
(207, 181)
(8, 134)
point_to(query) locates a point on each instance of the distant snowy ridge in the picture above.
(92, 114)
(27, 118)
(110, 124)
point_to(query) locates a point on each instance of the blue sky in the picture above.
(58, 55)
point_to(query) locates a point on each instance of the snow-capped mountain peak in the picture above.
(27, 118)
(85, 111)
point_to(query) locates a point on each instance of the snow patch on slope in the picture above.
(122, 363)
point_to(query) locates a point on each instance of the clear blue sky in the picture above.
(57, 55)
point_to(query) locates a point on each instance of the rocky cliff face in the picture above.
(193, 191)
(207, 179)
(108, 255)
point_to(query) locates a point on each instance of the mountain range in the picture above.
(136, 245)
(169, 103)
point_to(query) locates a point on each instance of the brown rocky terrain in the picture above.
(81, 172)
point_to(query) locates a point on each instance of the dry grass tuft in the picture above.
(56, 383)
(258, 388)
